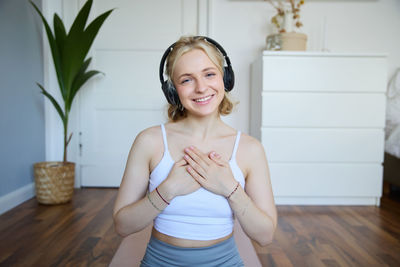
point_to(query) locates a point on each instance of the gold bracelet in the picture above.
(152, 203)
(234, 190)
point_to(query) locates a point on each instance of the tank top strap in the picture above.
(164, 135)
(233, 157)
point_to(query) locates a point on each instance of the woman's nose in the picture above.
(201, 86)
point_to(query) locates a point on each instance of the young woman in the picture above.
(192, 175)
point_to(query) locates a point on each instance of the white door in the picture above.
(116, 106)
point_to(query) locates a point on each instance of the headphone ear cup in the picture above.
(229, 78)
(170, 93)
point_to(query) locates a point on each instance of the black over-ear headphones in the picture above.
(169, 88)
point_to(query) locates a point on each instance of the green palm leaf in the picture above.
(53, 47)
(79, 23)
(73, 45)
(78, 45)
(76, 84)
(60, 37)
(80, 80)
(55, 103)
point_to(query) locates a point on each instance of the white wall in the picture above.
(361, 26)
(21, 103)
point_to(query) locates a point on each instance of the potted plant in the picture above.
(54, 180)
(286, 21)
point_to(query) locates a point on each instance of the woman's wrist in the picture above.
(230, 189)
(233, 191)
(163, 199)
(165, 193)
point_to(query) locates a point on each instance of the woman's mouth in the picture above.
(203, 100)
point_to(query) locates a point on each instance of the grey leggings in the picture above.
(159, 253)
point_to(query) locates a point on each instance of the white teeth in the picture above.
(203, 99)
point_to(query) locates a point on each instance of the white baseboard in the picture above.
(16, 197)
(331, 201)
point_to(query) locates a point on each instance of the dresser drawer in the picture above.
(295, 109)
(323, 145)
(326, 180)
(316, 72)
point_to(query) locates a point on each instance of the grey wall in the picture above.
(22, 140)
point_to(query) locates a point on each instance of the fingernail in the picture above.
(191, 147)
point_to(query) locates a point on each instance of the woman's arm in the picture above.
(133, 211)
(254, 207)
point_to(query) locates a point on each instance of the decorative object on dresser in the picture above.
(321, 119)
(286, 20)
(54, 180)
(391, 165)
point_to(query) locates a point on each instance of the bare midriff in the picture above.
(187, 243)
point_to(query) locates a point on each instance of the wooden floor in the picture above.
(81, 233)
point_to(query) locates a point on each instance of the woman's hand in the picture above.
(210, 171)
(178, 182)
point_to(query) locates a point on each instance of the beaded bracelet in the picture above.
(152, 203)
(234, 190)
(161, 196)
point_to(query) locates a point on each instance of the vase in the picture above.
(288, 22)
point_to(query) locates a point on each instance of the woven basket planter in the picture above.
(54, 181)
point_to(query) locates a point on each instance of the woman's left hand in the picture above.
(212, 173)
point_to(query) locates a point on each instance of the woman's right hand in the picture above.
(179, 182)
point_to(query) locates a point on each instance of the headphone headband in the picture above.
(169, 89)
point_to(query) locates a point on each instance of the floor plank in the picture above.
(81, 233)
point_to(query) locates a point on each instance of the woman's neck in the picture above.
(202, 128)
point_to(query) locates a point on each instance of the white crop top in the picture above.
(201, 215)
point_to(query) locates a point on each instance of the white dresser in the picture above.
(321, 119)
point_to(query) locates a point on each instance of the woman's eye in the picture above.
(210, 74)
(185, 81)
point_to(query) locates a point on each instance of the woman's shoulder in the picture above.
(249, 145)
(149, 137)
(150, 131)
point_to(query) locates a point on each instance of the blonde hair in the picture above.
(182, 46)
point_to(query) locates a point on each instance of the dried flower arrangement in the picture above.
(282, 10)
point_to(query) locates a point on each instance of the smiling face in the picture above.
(199, 83)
